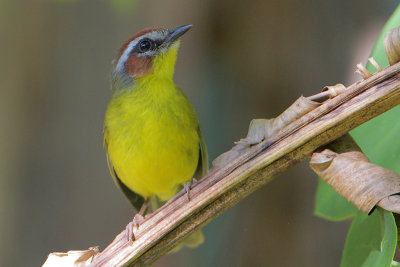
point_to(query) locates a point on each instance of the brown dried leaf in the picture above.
(392, 45)
(262, 129)
(359, 181)
(391, 203)
(72, 258)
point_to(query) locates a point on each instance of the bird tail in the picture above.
(193, 240)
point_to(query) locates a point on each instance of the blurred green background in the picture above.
(241, 60)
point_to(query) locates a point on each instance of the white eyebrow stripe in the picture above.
(125, 55)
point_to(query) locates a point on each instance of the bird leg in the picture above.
(189, 186)
(137, 220)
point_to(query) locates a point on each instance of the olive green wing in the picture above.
(202, 166)
(135, 199)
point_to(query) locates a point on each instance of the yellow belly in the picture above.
(152, 139)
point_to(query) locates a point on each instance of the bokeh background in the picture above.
(242, 60)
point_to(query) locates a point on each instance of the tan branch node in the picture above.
(363, 71)
(334, 90)
(328, 92)
(374, 63)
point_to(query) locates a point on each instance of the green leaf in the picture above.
(379, 139)
(331, 206)
(395, 264)
(371, 240)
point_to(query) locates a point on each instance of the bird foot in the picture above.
(132, 227)
(189, 186)
(138, 219)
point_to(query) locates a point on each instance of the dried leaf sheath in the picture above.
(263, 129)
(355, 178)
(392, 46)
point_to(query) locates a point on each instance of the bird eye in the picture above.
(145, 45)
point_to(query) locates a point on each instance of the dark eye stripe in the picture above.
(158, 42)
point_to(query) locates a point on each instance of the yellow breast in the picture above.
(152, 137)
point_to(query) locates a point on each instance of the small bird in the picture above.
(151, 131)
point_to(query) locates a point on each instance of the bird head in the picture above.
(151, 51)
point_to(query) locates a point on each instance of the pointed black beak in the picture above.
(176, 33)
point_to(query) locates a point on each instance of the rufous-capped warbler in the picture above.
(151, 132)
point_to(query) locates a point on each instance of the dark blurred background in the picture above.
(242, 60)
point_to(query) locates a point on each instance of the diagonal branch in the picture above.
(224, 187)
